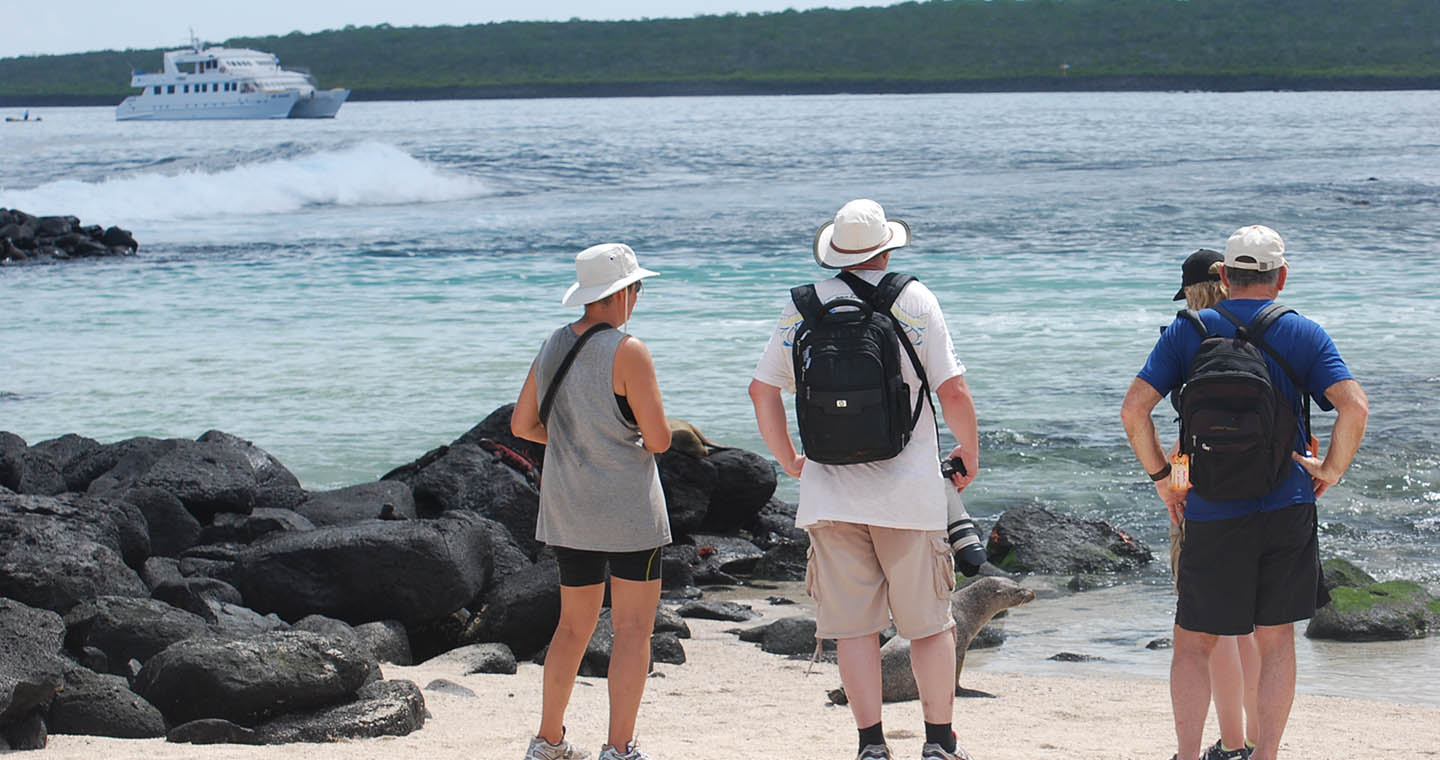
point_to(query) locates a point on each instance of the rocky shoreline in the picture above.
(26, 239)
(193, 589)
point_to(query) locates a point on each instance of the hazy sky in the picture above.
(33, 27)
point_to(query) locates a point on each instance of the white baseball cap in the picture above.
(601, 270)
(859, 233)
(1255, 247)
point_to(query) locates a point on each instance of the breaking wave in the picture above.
(367, 174)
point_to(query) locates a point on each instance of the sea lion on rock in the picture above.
(972, 606)
(687, 439)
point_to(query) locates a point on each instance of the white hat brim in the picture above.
(826, 255)
(578, 296)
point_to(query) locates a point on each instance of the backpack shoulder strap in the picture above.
(882, 297)
(1242, 330)
(889, 289)
(807, 303)
(1269, 316)
(1193, 317)
(1255, 333)
(564, 367)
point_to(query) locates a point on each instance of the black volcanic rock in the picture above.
(92, 704)
(381, 708)
(409, 570)
(1039, 540)
(126, 628)
(25, 239)
(58, 551)
(31, 670)
(249, 680)
(688, 483)
(382, 500)
(466, 477)
(206, 476)
(744, 482)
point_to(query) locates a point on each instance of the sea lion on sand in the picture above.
(972, 606)
(687, 439)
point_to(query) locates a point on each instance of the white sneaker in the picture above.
(543, 750)
(874, 752)
(630, 752)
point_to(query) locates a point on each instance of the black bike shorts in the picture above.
(579, 567)
(1256, 569)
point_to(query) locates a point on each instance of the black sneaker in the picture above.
(1218, 752)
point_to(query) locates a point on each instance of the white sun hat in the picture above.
(601, 270)
(1255, 247)
(859, 233)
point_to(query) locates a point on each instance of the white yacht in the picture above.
(227, 83)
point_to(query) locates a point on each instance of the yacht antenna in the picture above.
(194, 41)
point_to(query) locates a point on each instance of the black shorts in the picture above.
(1257, 569)
(579, 567)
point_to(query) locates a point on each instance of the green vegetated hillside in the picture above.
(937, 45)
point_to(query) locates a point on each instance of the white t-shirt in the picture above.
(905, 491)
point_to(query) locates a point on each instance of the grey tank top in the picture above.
(600, 488)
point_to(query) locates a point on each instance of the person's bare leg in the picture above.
(1277, 686)
(860, 675)
(1227, 688)
(579, 609)
(632, 609)
(1250, 668)
(932, 660)
(1190, 689)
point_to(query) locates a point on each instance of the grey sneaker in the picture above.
(543, 750)
(933, 751)
(874, 752)
(630, 752)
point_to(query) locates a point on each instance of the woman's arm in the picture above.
(635, 380)
(525, 420)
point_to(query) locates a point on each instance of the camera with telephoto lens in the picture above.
(964, 537)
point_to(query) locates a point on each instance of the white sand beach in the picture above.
(732, 700)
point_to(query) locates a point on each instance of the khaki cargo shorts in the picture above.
(862, 576)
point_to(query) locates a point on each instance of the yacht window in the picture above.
(157, 89)
(170, 90)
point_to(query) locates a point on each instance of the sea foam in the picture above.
(365, 174)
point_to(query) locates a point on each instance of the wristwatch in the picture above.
(1162, 474)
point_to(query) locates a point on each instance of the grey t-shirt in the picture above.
(600, 488)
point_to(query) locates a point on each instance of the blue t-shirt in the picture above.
(1302, 342)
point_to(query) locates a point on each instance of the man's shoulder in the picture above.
(1298, 330)
(918, 296)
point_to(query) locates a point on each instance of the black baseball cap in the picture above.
(1196, 269)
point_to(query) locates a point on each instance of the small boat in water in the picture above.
(22, 119)
(227, 83)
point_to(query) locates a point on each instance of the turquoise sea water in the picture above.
(351, 293)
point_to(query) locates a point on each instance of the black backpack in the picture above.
(851, 401)
(1237, 427)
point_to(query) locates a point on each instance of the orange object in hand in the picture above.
(1314, 450)
(1180, 472)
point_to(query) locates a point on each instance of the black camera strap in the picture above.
(565, 363)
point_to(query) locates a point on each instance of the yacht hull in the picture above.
(321, 104)
(275, 105)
